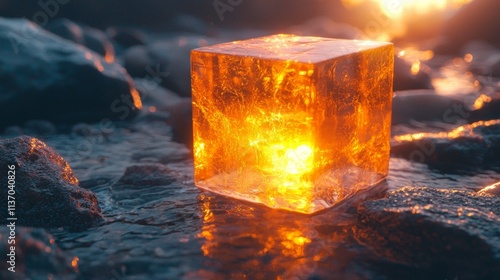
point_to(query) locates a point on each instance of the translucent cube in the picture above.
(291, 122)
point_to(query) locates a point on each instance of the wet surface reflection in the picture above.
(244, 241)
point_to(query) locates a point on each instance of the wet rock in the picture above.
(37, 256)
(36, 128)
(467, 147)
(405, 80)
(153, 94)
(57, 80)
(93, 39)
(189, 24)
(448, 233)
(492, 190)
(477, 21)
(489, 111)
(46, 191)
(426, 105)
(182, 123)
(166, 61)
(127, 37)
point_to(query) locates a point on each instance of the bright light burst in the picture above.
(400, 12)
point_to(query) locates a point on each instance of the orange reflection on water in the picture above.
(244, 241)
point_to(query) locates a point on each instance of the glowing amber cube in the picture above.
(296, 123)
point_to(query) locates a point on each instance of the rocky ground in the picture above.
(97, 124)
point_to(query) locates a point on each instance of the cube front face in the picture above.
(296, 123)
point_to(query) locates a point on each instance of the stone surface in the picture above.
(46, 191)
(127, 37)
(182, 123)
(37, 256)
(450, 233)
(426, 105)
(470, 146)
(166, 62)
(93, 39)
(57, 80)
(267, 130)
(405, 80)
(491, 189)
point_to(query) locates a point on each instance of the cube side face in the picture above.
(287, 134)
(352, 129)
(252, 128)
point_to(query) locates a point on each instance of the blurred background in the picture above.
(446, 50)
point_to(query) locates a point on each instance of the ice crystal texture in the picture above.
(292, 122)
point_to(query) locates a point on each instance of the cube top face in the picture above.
(305, 49)
(292, 127)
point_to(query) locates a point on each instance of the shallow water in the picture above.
(177, 231)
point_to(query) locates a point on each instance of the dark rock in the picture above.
(426, 105)
(46, 191)
(467, 147)
(36, 128)
(182, 124)
(153, 94)
(476, 21)
(37, 256)
(492, 190)
(450, 234)
(57, 80)
(404, 79)
(489, 111)
(189, 24)
(167, 62)
(127, 37)
(92, 38)
(41, 128)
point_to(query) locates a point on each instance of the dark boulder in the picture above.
(491, 189)
(404, 79)
(91, 38)
(182, 123)
(427, 105)
(45, 190)
(127, 37)
(166, 61)
(451, 234)
(56, 80)
(467, 147)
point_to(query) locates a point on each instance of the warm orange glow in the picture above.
(461, 131)
(468, 58)
(74, 262)
(400, 12)
(291, 122)
(479, 103)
